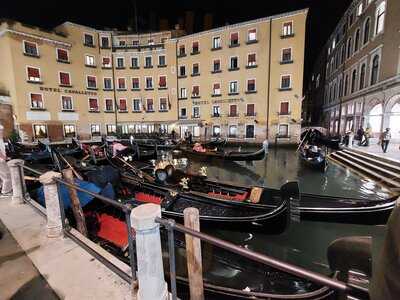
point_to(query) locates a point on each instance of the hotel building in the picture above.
(242, 81)
(358, 82)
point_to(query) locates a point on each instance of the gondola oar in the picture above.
(136, 170)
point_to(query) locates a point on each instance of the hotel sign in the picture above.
(67, 91)
(218, 101)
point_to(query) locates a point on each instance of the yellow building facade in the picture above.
(242, 81)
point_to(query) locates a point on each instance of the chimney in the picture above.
(208, 21)
(189, 21)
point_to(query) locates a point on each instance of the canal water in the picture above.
(305, 243)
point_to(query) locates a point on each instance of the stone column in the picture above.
(152, 285)
(17, 180)
(54, 222)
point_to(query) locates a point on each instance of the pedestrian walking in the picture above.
(385, 139)
(5, 176)
(367, 135)
(360, 135)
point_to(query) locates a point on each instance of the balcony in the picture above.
(252, 66)
(162, 66)
(234, 44)
(216, 71)
(195, 96)
(233, 69)
(283, 89)
(162, 88)
(249, 42)
(285, 36)
(286, 61)
(216, 95)
(195, 52)
(195, 74)
(35, 81)
(250, 92)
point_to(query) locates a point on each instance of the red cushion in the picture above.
(113, 230)
(148, 198)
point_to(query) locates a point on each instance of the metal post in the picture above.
(152, 285)
(131, 247)
(171, 252)
(17, 178)
(53, 209)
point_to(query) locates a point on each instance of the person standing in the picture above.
(385, 139)
(5, 176)
(360, 135)
(367, 135)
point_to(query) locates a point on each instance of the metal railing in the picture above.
(171, 226)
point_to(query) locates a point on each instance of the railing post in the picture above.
(17, 180)
(152, 285)
(53, 209)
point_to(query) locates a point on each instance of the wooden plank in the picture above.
(193, 255)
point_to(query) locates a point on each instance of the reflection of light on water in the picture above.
(247, 289)
(249, 237)
(225, 272)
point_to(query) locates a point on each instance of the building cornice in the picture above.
(34, 36)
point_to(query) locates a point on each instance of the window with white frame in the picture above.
(91, 82)
(95, 130)
(40, 131)
(182, 71)
(135, 83)
(105, 42)
(359, 9)
(107, 81)
(66, 103)
(252, 35)
(195, 47)
(120, 63)
(362, 76)
(251, 60)
(366, 32)
(250, 134)
(182, 50)
(31, 48)
(109, 105)
(88, 40)
(149, 82)
(122, 107)
(162, 81)
(93, 104)
(375, 69)
(195, 91)
(64, 79)
(111, 129)
(134, 62)
(234, 39)
(283, 130)
(286, 82)
(183, 112)
(287, 29)
(195, 69)
(62, 55)
(89, 60)
(216, 111)
(233, 110)
(216, 65)
(36, 101)
(216, 89)
(182, 93)
(284, 108)
(196, 112)
(233, 87)
(136, 104)
(33, 74)
(121, 83)
(216, 42)
(148, 62)
(106, 62)
(234, 63)
(69, 130)
(161, 61)
(216, 130)
(232, 131)
(380, 17)
(163, 104)
(286, 55)
(149, 105)
(250, 110)
(251, 85)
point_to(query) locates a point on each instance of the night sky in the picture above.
(323, 15)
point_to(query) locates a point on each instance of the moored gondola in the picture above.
(313, 157)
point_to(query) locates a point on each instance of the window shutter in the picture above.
(122, 104)
(196, 90)
(33, 72)
(284, 107)
(36, 97)
(234, 36)
(163, 81)
(252, 58)
(216, 86)
(93, 104)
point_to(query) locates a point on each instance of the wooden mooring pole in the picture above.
(75, 204)
(193, 255)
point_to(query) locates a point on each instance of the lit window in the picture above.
(216, 42)
(287, 29)
(33, 74)
(93, 104)
(89, 60)
(40, 131)
(216, 89)
(69, 130)
(31, 49)
(65, 79)
(36, 101)
(62, 55)
(66, 102)
(252, 35)
(95, 130)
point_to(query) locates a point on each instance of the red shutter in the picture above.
(216, 86)
(196, 90)
(195, 45)
(122, 104)
(93, 104)
(64, 78)
(233, 110)
(62, 54)
(106, 61)
(163, 81)
(234, 36)
(252, 58)
(121, 83)
(36, 97)
(33, 72)
(250, 109)
(284, 107)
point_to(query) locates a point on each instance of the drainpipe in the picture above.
(114, 90)
(269, 75)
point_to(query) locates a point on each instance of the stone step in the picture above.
(364, 170)
(391, 161)
(374, 160)
(377, 168)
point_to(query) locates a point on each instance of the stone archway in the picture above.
(375, 118)
(392, 115)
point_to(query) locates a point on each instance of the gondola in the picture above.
(231, 156)
(313, 159)
(159, 144)
(133, 152)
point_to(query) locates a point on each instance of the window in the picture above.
(380, 18)
(286, 55)
(374, 70)
(216, 89)
(346, 85)
(284, 109)
(367, 25)
(216, 131)
(343, 54)
(66, 103)
(105, 42)
(216, 42)
(88, 40)
(232, 131)
(250, 111)
(33, 74)
(183, 93)
(163, 104)
(148, 62)
(89, 60)
(196, 91)
(234, 39)
(250, 132)
(251, 85)
(183, 112)
(122, 105)
(182, 71)
(216, 111)
(182, 50)
(149, 82)
(350, 19)
(111, 129)
(195, 69)
(95, 130)
(134, 62)
(109, 103)
(196, 112)
(91, 82)
(106, 62)
(353, 80)
(252, 35)
(283, 130)
(150, 105)
(93, 104)
(162, 83)
(233, 87)
(285, 82)
(31, 49)
(64, 79)
(135, 83)
(150, 41)
(362, 76)
(216, 65)
(121, 83)
(161, 61)
(233, 65)
(136, 104)
(195, 47)
(69, 130)
(122, 43)
(359, 9)
(120, 63)
(251, 60)
(357, 40)
(62, 55)
(107, 83)
(348, 54)
(40, 131)
(36, 101)
(233, 110)
(287, 29)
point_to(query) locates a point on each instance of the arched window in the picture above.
(357, 40)
(380, 18)
(353, 80)
(362, 76)
(375, 69)
(367, 25)
(394, 122)
(334, 91)
(340, 87)
(349, 47)
(375, 118)
(343, 55)
(346, 85)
